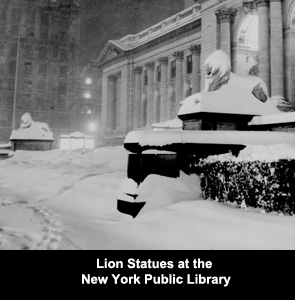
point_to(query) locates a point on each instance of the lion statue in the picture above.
(217, 68)
(30, 129)
(228, 92)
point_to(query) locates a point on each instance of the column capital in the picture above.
(137, 69)
(262, 3)
(225, 15)
(163, 60)
(111, 77)
(150, 65)
(178, 55)
(249, 5)
(275, 1)
(117, 75)
(195, 49)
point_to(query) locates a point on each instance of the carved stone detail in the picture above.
(163, 60)
(195, 49)
(178, 55)
(137, 70)
(248, 6)
(150, 65)
(262, 3)
(225, 15)
(112, 52)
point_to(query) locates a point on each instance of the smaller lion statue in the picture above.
(29, 129)
(26, 121)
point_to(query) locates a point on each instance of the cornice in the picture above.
(187, 29)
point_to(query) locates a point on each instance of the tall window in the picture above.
(27, 85)
(43, 53)
(11, 83)
(63, 70)
(158, 73)
(41, 86)
(13, 50)
(145, 77)
(12, 66)
(63, 88)
(63, 55)
(42, 69)
(28, 51)
(26, 102)
(173, 69)
(40, 103)
(189, 64)
(30, 31)
(28, 68)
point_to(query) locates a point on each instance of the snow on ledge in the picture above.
(170, 124)
(76, 134)
(288, 117)
(168, 137)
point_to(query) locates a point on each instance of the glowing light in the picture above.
(92, 126)
(88, 80)
(87, 95)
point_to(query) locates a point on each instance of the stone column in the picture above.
(111, 109)
(276, 48)
(137, 97)
(178, 55)
(150, 93)
(196, 84)
(263, 41)
(225, 17)
(163, 89)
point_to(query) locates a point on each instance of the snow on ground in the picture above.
(68, 200)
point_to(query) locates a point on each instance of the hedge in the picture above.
(269, 186)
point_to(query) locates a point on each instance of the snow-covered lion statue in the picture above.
(217, 69)
(29, 129)
(228, 92)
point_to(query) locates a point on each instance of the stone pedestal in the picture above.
(33, 145)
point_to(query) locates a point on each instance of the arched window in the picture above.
(247, 45)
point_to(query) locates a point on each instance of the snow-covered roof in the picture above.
(161, 138)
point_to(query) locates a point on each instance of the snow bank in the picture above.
(160, 191)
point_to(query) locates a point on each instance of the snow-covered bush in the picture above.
(268, 185)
